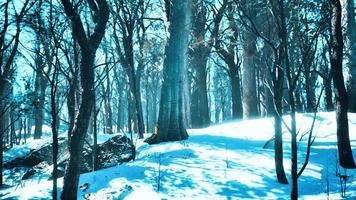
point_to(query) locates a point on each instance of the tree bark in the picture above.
(199, 52)
(351, 54)
(88, 46)
(343, 141)
(236, 94)
(249, 69)
(278, 82)
(170, 125)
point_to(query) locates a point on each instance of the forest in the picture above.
(177, 99)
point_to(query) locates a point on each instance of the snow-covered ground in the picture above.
(224, 161)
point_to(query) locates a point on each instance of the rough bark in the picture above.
(343, 141)
(199, 52)
(249, 69)
(351, 54)
(170, 125)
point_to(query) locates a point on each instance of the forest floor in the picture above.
(224, 161)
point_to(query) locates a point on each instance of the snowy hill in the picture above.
(224, 161)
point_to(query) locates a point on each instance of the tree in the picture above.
(88, 43)
(341, 100)
(170, 125)
(229, 54)
(351, 54)
(126, 17)
(276, 75)
(249, 64)
(199, 52)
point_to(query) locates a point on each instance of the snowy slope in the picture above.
(224, 161)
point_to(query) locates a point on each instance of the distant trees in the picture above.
(88, 43)
(170, 125)
(227, 49)
(127, 18)
(8, 52)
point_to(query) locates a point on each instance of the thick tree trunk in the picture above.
(186, 101)
(249, 73)
(351, 54)
(267, 96)
(236, 94)
(199, 52)
(343, 141)
(199, 100)
(170, 125)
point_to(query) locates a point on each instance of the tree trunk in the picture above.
(12, 127)
(107, 104)
(249, 71)
(71, 178)
(40, 88)
(329, 106)
(88, 47)
(198, 56)
(71, 105)
(283, 35)
(170, 125)
(343, 141)
(236, 94)
(54, 127)
(2, 130)
(351, 54)
(278, 139)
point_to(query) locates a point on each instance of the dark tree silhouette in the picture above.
(88, 46)
(337, 44)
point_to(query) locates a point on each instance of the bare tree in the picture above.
(126, 18)
(337, 44)
(88, 42)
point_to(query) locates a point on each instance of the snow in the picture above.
(24, 149)
(225, 161)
